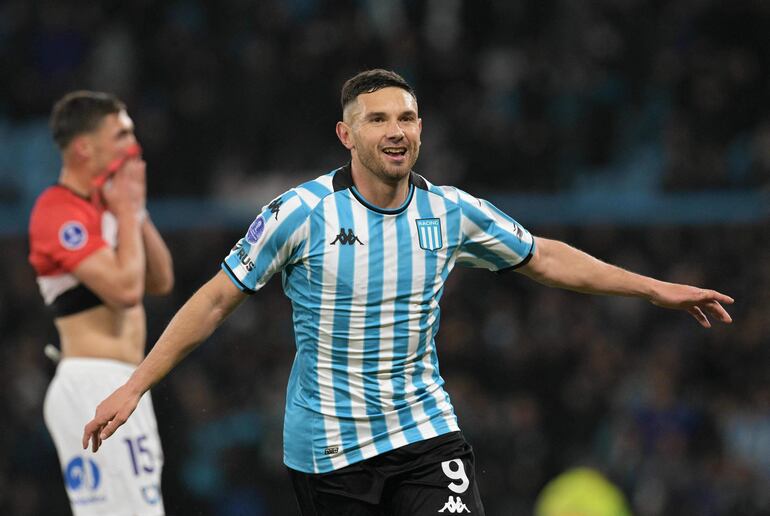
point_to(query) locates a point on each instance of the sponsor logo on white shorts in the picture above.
(82, 477)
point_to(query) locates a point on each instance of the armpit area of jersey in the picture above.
(74, 301)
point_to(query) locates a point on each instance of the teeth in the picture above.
(394, 151)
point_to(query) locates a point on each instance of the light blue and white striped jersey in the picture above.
(365, 285)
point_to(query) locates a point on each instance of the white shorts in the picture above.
(123, 477)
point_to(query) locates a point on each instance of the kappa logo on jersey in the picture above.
(455, 506)
(82, 474)
(275, 207)
(255, 230)
(346, 238)
(519, 232)
(429, 233)
(73, 235)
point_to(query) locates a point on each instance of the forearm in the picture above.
(129, 255)
(159, 277)
(192, 324)
(560, 265)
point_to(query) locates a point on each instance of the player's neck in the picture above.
(377, 192)
(76, 180)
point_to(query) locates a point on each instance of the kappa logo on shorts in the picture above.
(73, 235)
(455, 506)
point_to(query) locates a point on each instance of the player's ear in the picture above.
(344, 134)
(82, 147)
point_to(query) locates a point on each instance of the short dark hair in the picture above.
(81, 112)
(369, 81)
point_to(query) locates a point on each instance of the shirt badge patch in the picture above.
(255, 230)
(429, 233)
(73, 235)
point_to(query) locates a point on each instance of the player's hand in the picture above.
(698, 302)
(126, 191)
(110, 415)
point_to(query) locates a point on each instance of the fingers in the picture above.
(133, 170)
(87, 433)
(91, 435)
(699, 316)
(110, 428)
(96, 442)
(718, 297)
(96, 432)
(718, 311)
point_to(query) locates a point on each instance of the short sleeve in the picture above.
(490, 238)
(63, 234)
(275, 239)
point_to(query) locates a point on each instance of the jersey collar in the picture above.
(343, 180)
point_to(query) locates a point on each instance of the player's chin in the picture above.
(398, 170)
(396, 174)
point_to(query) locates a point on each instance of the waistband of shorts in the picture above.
(87, 364)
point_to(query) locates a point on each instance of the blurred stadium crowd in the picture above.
(524, 96)
(655, 94)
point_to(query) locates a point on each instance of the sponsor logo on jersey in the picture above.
(429, 234)
(255, 230)
(332, 450)
(73, 235)
(346, 236)
(243, 256)
(455, 506)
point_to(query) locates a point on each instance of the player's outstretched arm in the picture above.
(557, 264)
(192, 324)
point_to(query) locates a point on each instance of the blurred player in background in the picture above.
(581, 491)
(364, 252)
(96, 253)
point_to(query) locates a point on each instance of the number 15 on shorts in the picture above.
(142, 459)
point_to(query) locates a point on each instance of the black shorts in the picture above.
(435, 476)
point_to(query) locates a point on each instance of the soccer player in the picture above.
(364, 252)
(96, 252)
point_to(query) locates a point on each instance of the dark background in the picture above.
(636, 130)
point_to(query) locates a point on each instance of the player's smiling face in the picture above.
(384, 132)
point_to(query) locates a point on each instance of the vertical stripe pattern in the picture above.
(365, 285)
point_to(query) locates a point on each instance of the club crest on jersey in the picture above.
(73, 235)
(429, 234)
(255, 230)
